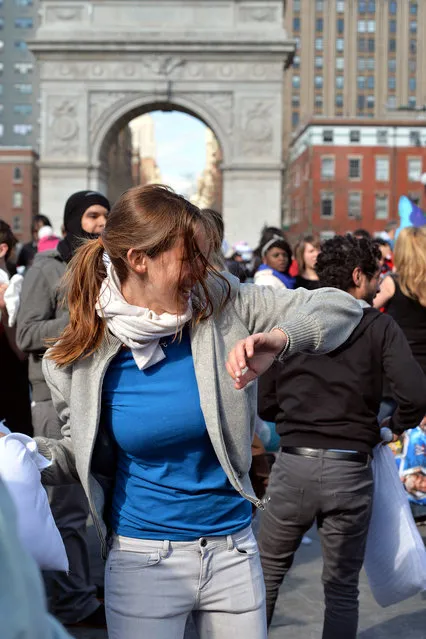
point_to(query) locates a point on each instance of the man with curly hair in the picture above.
(325, 408)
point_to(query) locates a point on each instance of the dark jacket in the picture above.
(41, 315)
(332, 400)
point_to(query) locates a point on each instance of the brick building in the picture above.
(346, 174)
(19, 189)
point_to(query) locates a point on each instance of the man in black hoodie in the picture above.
(325, 410)
(41, 317)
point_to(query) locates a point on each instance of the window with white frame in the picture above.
(17, 224)
(382, 169)
(23, 67)
(381, 206)
(354, 168)
(319, 44)
(415, 138)
(17, 200)
(414, 166)
(382, 136)
(327, 204)
(17, 174)
(327, 168)
(355, 135)
(340, 44)
(354, 205)
(340, 64)
(340, 6)
(327, 135)
(22, 129)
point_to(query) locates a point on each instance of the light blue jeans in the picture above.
(151, 587)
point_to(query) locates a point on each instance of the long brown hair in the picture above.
(149, 219)
(410, 262)
(299, 250)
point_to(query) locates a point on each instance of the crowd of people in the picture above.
(145, 361)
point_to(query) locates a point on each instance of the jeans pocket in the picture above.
(286, 503)
(246, 547)
(125, 561)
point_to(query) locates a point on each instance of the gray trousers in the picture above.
(338, 495)
(72, 596)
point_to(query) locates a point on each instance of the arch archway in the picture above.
(102, 64)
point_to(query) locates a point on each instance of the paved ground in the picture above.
(299, 610)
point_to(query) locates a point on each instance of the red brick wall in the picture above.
(25, 160)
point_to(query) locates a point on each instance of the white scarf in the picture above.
(138, 328)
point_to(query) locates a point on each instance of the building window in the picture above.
(392, 45)
(296, 62)
(327, 204)
(361, 64)
(319, 101)
(319, 61)
(23, 67)
(318, 81)
(412, 102)
(382, 169)
(327, 168)
(371, 45)
(362, 6)
(392, 65)
(371, 26)
(362, 26)
(392, 8)
(412, 66)
(413, 46)
(370, 101)
(21, 45)
(24, 3)
(17, 200)
(296, 81)
(22, 129)
(327, 135)
(361, 45)
(319, 44)
(392, 26)
(23, 23)
(354, 205)
(355, 135)
(296, 6)
(414, 166)
(372, 6)
(412, 84)
(381, 206)
(370, 64)
(360, 101)
(415, 138)
(319, 5)
(354, 168)
(413, 8)
(370, 82)
(413, 26)
(392, 83)
(340, 44)
(296, 24)
(295, 100)
(27, 89)
(339, 82)
(382, 136)
(340, 6)
(17, 174)
(338, 101)
(340, 64)
(1, 89)
(340, 25)
(22, 109)
(391, 102)
(17, 224)
(294, 119)
(361, 82)
(319, 24)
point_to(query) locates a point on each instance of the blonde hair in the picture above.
(150, 219)
(410, 262)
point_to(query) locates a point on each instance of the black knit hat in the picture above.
(77, 204)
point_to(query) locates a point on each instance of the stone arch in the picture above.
(122, 112)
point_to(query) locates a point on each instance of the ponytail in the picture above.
(82, 284)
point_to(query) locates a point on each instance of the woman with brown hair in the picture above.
(152, 425)
(306, 252)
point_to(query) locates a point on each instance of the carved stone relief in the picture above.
(161, 67)
(63, 125)
(258, 14)
(257, 130)
(100, 103)
(59, 13)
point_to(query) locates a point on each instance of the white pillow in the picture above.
(20, 466)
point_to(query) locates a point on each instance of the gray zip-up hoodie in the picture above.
(41, 315)
(315, 321)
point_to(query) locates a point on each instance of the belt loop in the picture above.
(229, 542)
(165, 550)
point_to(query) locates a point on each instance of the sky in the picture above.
(181, 149)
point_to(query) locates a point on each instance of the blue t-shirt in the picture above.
(169, 483)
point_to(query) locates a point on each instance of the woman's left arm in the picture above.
(314, 321)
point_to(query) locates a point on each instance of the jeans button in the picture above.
(203, 542)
